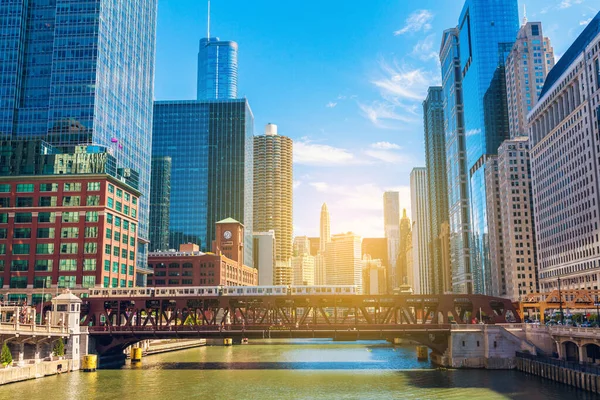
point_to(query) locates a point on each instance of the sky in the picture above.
(344, 79)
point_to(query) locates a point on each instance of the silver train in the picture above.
(208, 291)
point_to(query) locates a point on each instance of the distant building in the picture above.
(343, 260)
(68, 218)
(391, 225)
(264, 257)
(302, 262)
(191, 267)
(376, 248)
(496, 226)
(324, 240)
(273, 192)
(315, 245)
(217, 69)
(374, 279)
(419, 206)
(160, 203)
(405, 241)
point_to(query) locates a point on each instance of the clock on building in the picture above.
(227, 235)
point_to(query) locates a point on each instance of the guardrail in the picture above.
(33, 328)
(586, 368)
(570, 330)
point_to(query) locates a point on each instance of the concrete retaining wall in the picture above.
(33, 371)
(581, 380)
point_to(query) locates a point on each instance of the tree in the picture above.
(5, 356)
(59, 348)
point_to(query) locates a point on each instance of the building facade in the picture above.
(217, 69)
(68, 218)
(83, 75)
(343, 261)
(437, 182)
(564, 140)
(421, 236)
(527, 65)
(391, 226)
(456, 164)
(496, 228)
(160, 203)
(374, 280)
(210, 145)
(486, 29)
(273, 192)
(376, 248)
(402, 272)
(264, 257)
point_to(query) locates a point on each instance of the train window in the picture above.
(260, 290)
(240, 291)
(209, 291)
(269, 290)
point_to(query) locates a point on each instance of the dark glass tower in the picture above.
(217, 69)
(437, 184)
(483, 26)
(160, 203)
(82, 72)
(210, 145)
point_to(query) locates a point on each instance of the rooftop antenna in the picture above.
(208, 24)
(524, 13)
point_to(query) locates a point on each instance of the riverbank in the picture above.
(34, 371)
(151, 347)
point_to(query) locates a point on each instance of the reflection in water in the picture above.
(295, 370)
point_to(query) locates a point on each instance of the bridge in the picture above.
(120, 320)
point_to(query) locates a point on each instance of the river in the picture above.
(299, 369)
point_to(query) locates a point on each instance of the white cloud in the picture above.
(424, 49)
(377, 112)
(385, 146)
(419, 20)
(568, 3)
(308, 153)
(331, 104)
(386, 156)
(585, 22)
(297, 184)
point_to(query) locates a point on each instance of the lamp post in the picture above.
(560, 302)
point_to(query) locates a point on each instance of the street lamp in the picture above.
(560, 302)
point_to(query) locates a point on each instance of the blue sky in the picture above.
(344, 79)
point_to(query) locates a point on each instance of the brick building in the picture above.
(191, 267)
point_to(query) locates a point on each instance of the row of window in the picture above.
(118, 236)
(124, 270)
(118, 252)
(118, 206)
(50, 217)
(89, 264)
(49, 187)
(68, 281)
(117, 221)
(48, 233)
(121, 194)
(183, 282)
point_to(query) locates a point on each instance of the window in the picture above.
(125, 224)
(119, 206)
(188, 265)
(132, 255)
(18, 282)
(110, 203)
(93, 186)
(124, 269)
(91, 216)
(3, 218)
(124, 253)
(22, 218)
(132, 241)
(22, 233)
(92, 200)
(111, 188)
(125, 238)
(68, 248)
(42, 282)
(119, 193)
(3, 233)
(173, 282)
(20, 249)
(49, 187)
(127, 196)
(126, 210)
(90, 248)
(89, 264)
(116, 251)
(117, 236)
(132, 227)
(72, 187)
(43, 265)
(47, 201)
(105, 281)
(115, 282)
(107, 249)
(4, 202)
(4, 188)
(117, 221)
(66, 282)
(134, 200)
(131, 270)
(46, 217)
(2, 248)
(25, 188)
(186, 282)
(44, 248)
(129, 283)
(24, 201)
(88, 281)
(91, 232)
(133, 213)
(69, 233)
(67, 265)
(19, 265)
(109, 218)
(108, 233)
(70, 216)
(115, 267)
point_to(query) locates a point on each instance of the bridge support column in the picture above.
(582, 353)
(20, 346)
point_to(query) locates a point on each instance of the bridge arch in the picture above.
(570, 351)
(591, 352)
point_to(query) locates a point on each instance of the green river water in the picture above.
(299, 369)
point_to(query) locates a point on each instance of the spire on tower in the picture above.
(524, 14)
(208, 22)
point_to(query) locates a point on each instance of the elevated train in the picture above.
(208, 291)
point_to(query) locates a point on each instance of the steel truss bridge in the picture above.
(117, 322)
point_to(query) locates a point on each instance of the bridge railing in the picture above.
(575, 366)
(575, 331)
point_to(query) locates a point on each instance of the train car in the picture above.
(323, 290)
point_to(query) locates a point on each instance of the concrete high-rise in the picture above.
(273, 192)
(217, 69)
(496, 228)
(402, 273)
(324, 228)
(419, 206)
(437, 182)
(263, 251)
(487, 30)
(302, 262)
(82, 74)
(373, 280)
(564, 137)
(343, 260)
(391, 225)
(210, 145)
(160, 203)
(527, 65)
(459, 226)
(376, 248)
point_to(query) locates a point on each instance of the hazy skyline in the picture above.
(344, 80)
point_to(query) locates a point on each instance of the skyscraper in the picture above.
(302, 262)
(82, 74)
(325, 228)
(343, 260)
(160, 203)
(210, 145)
(263, 252)
(421, 236)
(564, 139)
(391, 226)
(402, 273)
(273, 191)
(524, 82)
(459, 227)
(486, 29)
(437, 183)
(376, 248)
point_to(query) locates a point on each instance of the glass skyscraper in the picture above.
(82, 72)
(210, 145)
(160, 203)
(487, 28)
(217, 69)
